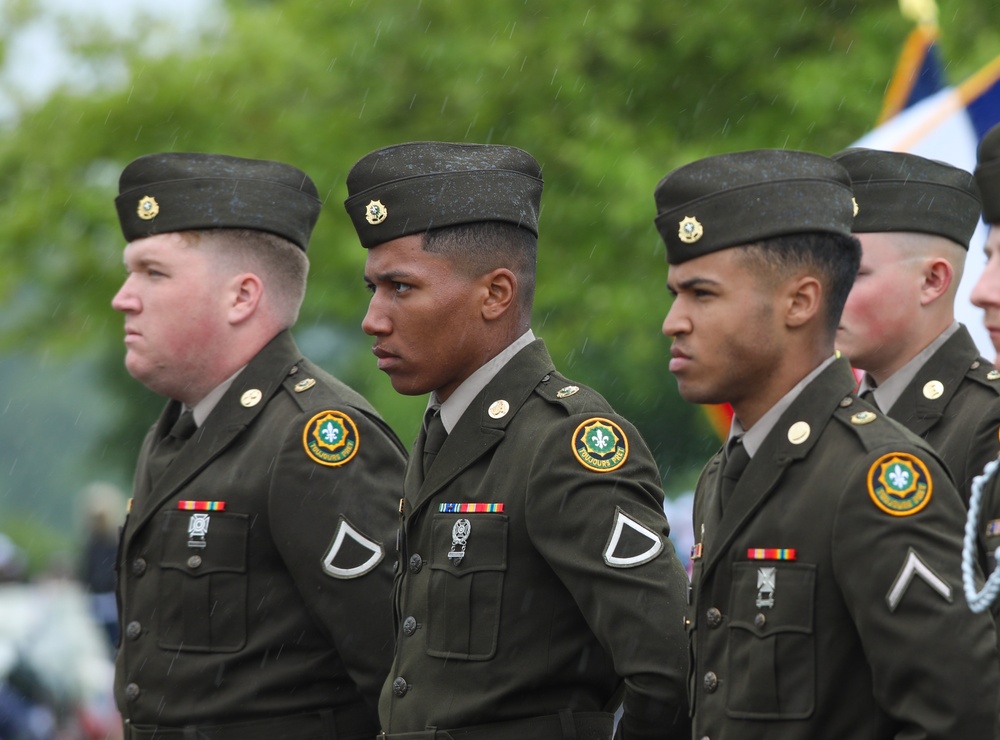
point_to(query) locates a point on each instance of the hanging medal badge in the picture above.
(459, 538)
(197, 529)
(765, 587)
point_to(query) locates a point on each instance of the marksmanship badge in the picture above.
(600, 445)
(331, 438)
(900, 484)
(197, 529)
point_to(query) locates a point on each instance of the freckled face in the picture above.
(425, 316)
(175, 313)
(986, 293)
(879, 312)
(725, 329)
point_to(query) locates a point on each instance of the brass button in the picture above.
(759, 621)
(133, 630)
(138, 566)
(194, 561)
(711, 682)
(132, 691)
(416, 563)
(714, 617)
(399, 686)
(409, 626)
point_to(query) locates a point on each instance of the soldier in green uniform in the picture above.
(986, 295)
(826, 592)
(536, 584)
(914, 221)
(255, 565)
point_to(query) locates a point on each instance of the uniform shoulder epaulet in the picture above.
(872, 428)
(985, 373)
(574, 397)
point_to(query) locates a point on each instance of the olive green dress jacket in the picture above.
(827, 598)
(255, 576)
(954, 403)
(536, 574)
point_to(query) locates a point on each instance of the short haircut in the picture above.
(833, 259)
(477, 248)
(280, 264)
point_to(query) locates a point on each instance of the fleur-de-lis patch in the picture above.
(900, 483)
(331, 438)
(600, 445)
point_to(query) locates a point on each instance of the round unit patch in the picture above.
(331, 438)
(900, 484)
(600, 445)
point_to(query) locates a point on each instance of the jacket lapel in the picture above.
(815, 406)
(477, 432)
(224, 424)
(948, 366)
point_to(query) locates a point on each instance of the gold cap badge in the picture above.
(147, 208)
(375, 212)
(690, 230)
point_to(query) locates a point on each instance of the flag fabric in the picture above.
(945, 124)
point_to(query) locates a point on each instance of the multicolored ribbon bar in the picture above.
(771, 553)
(993, 528)
(696, 552)
(201, 505)
(470, 508)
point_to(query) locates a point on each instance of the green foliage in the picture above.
(608, 95)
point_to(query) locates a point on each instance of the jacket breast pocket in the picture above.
(772, 647)
(468, 563)
(203, 582)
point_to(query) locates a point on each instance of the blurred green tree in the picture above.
(609, 96)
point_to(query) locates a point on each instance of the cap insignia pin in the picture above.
(863, 417)
(375, 212)
(690, 230)
(148, 208)
(568, 391)
(251, 397)
(993, 375)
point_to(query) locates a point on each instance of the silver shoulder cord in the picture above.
(979, 601)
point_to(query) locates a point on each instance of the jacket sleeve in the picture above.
(933, 662)
(605, 535)
(335, 527)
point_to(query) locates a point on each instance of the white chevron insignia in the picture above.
(914, 566)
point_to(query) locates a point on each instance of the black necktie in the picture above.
(434, 436)
(737, 459)
(168, 447)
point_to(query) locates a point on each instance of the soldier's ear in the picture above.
(802, 300)
(938, 275)
(243, 296)
(500, 291)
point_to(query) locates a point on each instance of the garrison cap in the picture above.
(988, 175)
(411, 188)
(176, 191)
(735, 199)
(896, 191)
